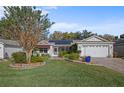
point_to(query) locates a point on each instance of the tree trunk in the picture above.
(28, 56)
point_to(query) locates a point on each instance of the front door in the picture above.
(56, 51)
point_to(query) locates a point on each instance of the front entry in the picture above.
(55, 51)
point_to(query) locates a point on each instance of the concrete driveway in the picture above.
(116, 64)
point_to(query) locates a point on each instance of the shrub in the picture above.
(45, 55)
(73, 48)
(36, 59)
(66, 55)
(19, 57)
(73, 56)
(79, 51)
(116, 55)
(83, 59)
(62, 53)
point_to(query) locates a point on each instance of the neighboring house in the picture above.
(95, 46)
(7, 47)
(119, 48)
(53, 47)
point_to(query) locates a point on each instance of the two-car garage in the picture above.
(95, 46)
(95, 50)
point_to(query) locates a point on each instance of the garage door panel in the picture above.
(95, 51)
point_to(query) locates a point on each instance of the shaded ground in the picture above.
(116, 64)
(60, 74)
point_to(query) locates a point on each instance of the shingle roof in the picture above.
(9, 42)
(59, 42)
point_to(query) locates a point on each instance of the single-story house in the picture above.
(95, 46)
(119, 48)
(53, 47)
(7, 47)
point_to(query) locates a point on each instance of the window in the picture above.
(43, 50)
(55, 49)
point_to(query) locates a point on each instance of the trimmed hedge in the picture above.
(35, 59)
(73, 56)
(66, 55)
(19, 57)
(62, 53)
(45, 56)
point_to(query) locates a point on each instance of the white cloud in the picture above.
(1, 12)
(114, 28)
(109, 27)
(66, 27)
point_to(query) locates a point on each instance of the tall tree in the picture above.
(4, 34)
(26, 25)
(122, 36)
(71, 35)
(109, 37)
(66, 36)
(57, 35)
(86, 34)
(77, 35)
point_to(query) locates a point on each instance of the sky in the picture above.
(98, 19)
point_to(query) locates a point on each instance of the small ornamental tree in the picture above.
(73, 48)
(26, 25)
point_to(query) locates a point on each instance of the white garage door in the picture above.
(95, 51)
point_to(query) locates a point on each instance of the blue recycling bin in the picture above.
(87, 59)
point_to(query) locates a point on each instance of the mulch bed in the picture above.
(27, 66)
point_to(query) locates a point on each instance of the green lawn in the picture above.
(60, 73)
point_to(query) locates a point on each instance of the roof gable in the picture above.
(9, 42)
(95, 38)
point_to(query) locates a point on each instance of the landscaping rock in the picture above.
(26, 66)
